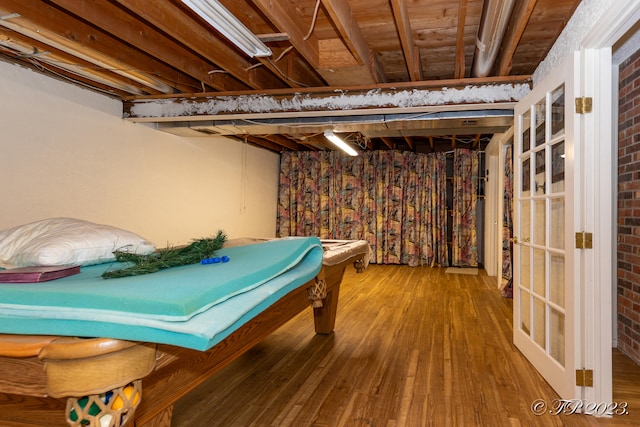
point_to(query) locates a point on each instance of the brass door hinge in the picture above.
(584, 377)
(584, 240)
(584, 105)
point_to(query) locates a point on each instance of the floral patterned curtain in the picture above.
(465, 197)
(429, 206)
(394, 200)
(385, 188)
(507, 213)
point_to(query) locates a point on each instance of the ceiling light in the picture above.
(339, 143)
(222, 20)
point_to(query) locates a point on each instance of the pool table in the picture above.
(44, 379)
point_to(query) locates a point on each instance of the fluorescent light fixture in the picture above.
(338, 142)
(229, 26)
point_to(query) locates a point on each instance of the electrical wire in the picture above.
(313, 21)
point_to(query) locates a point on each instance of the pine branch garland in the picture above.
(161, 259)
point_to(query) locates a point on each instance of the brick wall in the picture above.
(629, 208)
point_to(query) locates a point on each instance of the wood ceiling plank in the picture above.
(342, 16)
(411, 54)
(338, 66)
(333, 54)
(545, 25)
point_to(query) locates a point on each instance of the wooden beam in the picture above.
(283, 141)
(389, 143)
(409, 142)
(515, 29)
(476, 141)
(460, 67)
(260, 142)
(411, 53)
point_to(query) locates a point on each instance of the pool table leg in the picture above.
(324, 315)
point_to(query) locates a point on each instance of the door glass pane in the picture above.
(526, 178)
(557, 111)
(525, 312)
(556, 223)
(526, 132)
(525, 270)
(525, 221)
(539, 222)
(540, 122)
(540, 173)
(539, 322)
(556, 280)
(557, 167)
(556, 334)
(539, 272)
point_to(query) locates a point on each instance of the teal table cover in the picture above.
(194, 306)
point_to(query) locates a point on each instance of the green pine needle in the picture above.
(161, 259)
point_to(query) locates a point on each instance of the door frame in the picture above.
(599, 130)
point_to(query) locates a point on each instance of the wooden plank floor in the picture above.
(412, 347)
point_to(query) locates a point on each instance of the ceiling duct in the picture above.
(372, 126)
(495, 18)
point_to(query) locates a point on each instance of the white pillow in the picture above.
(66, 241)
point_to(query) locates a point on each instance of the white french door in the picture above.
(545, 192)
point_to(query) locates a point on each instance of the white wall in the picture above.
(66, 151)
(583, 20)
(492, 223)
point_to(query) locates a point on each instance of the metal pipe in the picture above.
(495, 18)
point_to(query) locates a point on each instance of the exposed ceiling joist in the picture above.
(411, 52)
(331, 60)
